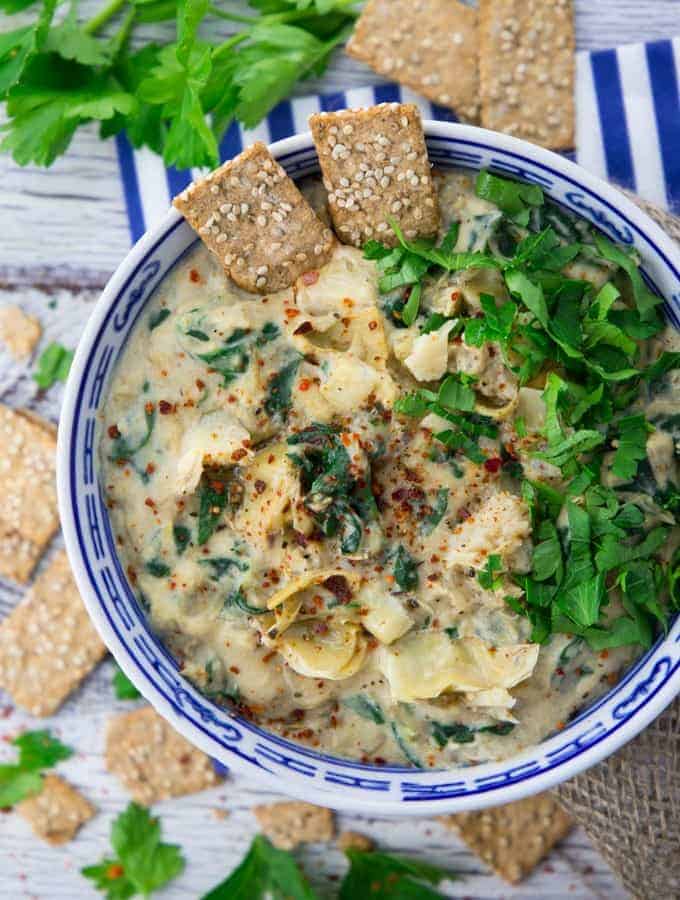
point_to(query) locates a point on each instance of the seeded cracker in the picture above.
(19, 332)
(375, 167)
(526, 68)
(28, 511)
(513, 838)
(57, 812)
(152, 760)
(257, 223)
(289, 824)
(48, 643)
(428, 45)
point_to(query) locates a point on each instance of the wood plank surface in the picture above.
(62, 232)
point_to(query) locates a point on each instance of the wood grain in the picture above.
(62, 232)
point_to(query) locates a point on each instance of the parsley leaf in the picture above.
(123, 688)
(373, 874)
(142, 863)
(439, 508)
(513, 197)
(645, 300)
(53, 365)
(496, 324)
(488, 576)
(37, 750)
(633, 432)
(265, 872)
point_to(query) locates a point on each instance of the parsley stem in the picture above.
(103, 16)
(231, 17)
(121, 36)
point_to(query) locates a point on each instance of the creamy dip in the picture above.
(317, 559)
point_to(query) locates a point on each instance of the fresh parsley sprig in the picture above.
(140, 862)
(38, 750)
(177, 98)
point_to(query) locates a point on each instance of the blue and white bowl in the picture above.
(643, 692)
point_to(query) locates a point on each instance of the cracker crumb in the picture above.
(287, 825)
(19, 332)
(251, 215)
(28, 512)
(376, 169)
(152, 760)
(428, 45)
(352, 840)
(513, 839)
(57, 812)
(526, 68)
(48, 643)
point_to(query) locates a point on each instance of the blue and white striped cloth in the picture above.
(627, 129)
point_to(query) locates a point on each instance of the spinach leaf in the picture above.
(280, 390)
(405, 569)
(365, 707)
(212, 501)
(439, 508)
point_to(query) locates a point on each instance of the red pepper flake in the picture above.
(148, 408)
(150, 503)
(195, 276)
(455, 295)
(235, 670)
(165, 408)
(310, 278)
(217, 487)
(304, 328)
(339, 587)
(150, 468)
(298, 714)
(239, 454)
(463, 514)
(200, 384)
(304, 384)
(114, 871)
(291, 313)
(259, 486)
(346, 439)
(231, 398)
(321, 628)
(113, 432)
(559, 671)
(132, 575)
(372, 325)
(493, 465)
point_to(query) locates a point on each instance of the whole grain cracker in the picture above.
(526, 69)
(28, 511)
(428, 45)
(48, 643)
(19, 332)
(292, 823)
(513, 838)
(375, 168)
(257, 223)
(57, 812)
(152, 760)
(352, 840)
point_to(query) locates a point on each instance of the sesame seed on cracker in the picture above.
(57, 812)
(375, 168)
(48, 643)
(526, 60)
(19, 332)
(428, 45)
(28, 512)
(152, 760)
(292, 823)
(251, 215)
(512, 839)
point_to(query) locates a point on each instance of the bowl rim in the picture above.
(311, 791)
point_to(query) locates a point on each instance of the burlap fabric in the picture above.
(629, 805)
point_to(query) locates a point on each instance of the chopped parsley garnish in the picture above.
(432, 519)
(465, 734)
(182, 538)
(54, 365)
(632, 434)
(489, 577)
(139, 863)
(38, 750)
(514, 198)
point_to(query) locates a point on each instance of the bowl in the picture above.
(615, 718)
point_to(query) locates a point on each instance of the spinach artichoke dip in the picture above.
(418, 507)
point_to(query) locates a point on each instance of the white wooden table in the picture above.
(62, 231)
